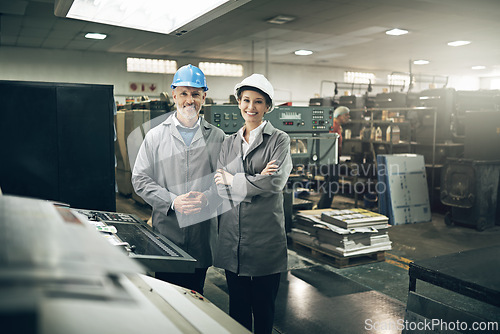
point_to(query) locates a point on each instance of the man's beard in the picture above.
(188, 112)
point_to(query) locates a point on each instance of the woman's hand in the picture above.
(223, 177)
(270, 169)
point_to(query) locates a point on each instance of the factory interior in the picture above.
(411, 240)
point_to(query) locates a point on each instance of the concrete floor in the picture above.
(316, 297)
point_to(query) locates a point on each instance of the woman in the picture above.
(253, 169)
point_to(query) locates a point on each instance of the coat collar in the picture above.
(204, 126)
(268, 130)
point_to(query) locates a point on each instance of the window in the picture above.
(222, 69)
(495, 84)
(398, 80)
(359, 77)
(145, 65)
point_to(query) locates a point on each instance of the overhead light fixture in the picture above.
(303, 52)
(421, 62)
(95, 35)
(458, 43)
(479, 67)
(166, 17)
(280, 19)
(396, 32)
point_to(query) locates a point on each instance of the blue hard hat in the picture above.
(190, 76)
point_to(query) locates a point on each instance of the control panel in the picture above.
(109, 217)
(151, 249)
(315, 119)
(226, 117)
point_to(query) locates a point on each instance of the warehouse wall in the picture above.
(292, 83)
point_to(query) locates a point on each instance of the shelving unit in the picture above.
(363, 130)
(363, 147)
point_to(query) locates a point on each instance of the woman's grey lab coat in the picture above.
(252, 239)
(165, 168)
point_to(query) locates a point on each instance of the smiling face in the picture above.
(253, 107)
(189, 101)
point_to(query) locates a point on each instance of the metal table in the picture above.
(474, 273)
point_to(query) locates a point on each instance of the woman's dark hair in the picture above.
(255, 89)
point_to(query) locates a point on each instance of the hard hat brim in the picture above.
(188, 84)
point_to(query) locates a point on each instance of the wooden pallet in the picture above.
(337, 260)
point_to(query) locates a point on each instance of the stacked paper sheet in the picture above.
(310, 228)
(353, 218)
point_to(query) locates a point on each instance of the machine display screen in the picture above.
(290, 115)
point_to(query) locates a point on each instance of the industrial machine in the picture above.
(308, 127)
(322, 101)
(314, 149)
(391, 100)
(470, 188)
(312, 119)
(59, 276)
(64, 151)
(353, 101)
(470, 185)
(151, 249)
(482, 134)
(473, 101)
(443, 102)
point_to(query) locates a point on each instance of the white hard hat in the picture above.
(258, 81)
(340, 111)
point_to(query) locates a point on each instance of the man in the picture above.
(340, 117)
(173, 173)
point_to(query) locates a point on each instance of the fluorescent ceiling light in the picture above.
(421, 62)
(458, 43)
(303, 52)
(162, 16)
(479, 67)
(95, 35)
(396, 32)
(280, 19)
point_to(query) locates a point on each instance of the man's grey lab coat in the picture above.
(166, 168)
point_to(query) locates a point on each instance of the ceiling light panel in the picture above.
(458, 43)
(95, 35)
(281, 19)
(396, 32)
(421, 62)
(162, 16)
(303, 52)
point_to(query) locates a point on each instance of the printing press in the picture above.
(59, 274)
